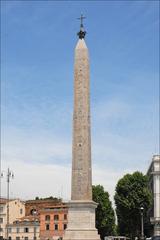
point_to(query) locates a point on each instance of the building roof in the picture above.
(5, 200)
(26, 220)
(29, 218)
(40, 201)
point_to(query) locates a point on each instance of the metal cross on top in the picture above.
(81, 18)
(82, 32)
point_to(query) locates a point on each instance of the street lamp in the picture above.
(34, 214)
(1, 176)
(9, 176)
(142, 223)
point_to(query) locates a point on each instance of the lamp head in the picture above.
(141, 208)
(34, 212)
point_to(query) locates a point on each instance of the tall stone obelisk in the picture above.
(81, 214)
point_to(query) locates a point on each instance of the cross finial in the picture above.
(81, 18)
(81, 33)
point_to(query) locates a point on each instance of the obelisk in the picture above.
(81, 213)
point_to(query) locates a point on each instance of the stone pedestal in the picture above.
(81, 221)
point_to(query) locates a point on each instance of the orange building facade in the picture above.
(53, 222)
(52, 215)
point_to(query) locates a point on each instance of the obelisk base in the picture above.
(81, 221)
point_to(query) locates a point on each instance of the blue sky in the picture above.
(38, 41)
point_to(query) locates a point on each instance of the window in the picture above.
(1, 229)
(17, 230)
(1, 220)
(34, 238)
(17, 238)
(1, 209)
(55, 226)
(47, 217)
(47, 226)
(65, 216)
(9, 230)
(25, 238)
(26, 230)
(10, 238)
(56, 217)
(21, 211)
(64, 226)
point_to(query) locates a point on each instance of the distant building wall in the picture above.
(154, 183)
(16, 210)
(53, 222)
(24, 230)
(52, 217)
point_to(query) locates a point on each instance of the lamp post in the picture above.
(1, 176)
(9, 176)
(142, 223)
(34, 214)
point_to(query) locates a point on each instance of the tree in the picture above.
(105, 218)
(131, 193)
(49, 198)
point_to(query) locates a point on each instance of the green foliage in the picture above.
(131, 193)
(49, 198)
(105, 218)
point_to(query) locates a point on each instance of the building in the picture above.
(154, 184)
(26, 228)
(16, 210)
(45, 221)
(53, 222)
(39, 204)
(52, 215)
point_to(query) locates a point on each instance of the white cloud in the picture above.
(43, 180)
(41, 158)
